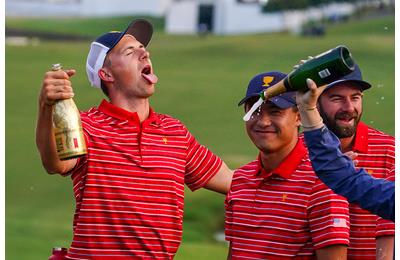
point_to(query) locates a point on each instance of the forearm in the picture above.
(335, 252)
(338, 173)
(221, 181)
(46, 145)
(384, 248)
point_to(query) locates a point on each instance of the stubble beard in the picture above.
(338, 130)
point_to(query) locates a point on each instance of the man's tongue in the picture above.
(150, 78)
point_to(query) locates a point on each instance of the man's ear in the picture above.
(105, 75)
(298, 119)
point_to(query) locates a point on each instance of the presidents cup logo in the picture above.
(267, 80)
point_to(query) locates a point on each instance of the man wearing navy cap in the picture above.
(340, 106)
(277, 208)
(129, 188)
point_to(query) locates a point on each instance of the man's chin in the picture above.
(344, 132)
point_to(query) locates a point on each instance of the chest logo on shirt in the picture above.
(284, 197)
(165, 140)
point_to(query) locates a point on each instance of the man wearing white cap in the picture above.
(129, 188)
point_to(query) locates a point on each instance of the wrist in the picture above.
(310, 118)
(306, 107)
(44, 105)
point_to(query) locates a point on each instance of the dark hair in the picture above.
(104, 89)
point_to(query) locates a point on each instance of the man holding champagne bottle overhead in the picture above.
(129, 187)
(340, 106)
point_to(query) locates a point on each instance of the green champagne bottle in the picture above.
(322, 69)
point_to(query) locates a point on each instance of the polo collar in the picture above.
(361, 138)
(122, 114)
(288, 166)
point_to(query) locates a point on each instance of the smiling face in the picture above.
(341, 108)
(271, 128)
(128, 71)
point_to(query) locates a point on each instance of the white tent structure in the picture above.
(220, 17)
(240, 16)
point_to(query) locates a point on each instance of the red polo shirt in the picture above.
(376, 154)
(284, 214)
(129, 189)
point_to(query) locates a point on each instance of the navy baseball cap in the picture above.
(355, 77)
(265, 80)
(141, 29)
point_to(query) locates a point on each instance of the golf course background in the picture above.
(201, 80)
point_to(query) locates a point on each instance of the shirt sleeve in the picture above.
(338, 173)
(328, 216)
(201, 164)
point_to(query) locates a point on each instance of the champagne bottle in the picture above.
(67, 124)
(322, 69)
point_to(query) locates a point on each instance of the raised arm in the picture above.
(55, 86)
(337, 170)
(338, 173)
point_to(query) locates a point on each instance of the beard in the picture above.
(338, 130)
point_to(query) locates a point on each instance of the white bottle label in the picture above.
(324, 73)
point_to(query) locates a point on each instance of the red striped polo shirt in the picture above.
(376, 154)
(285, 214)
(129, 189)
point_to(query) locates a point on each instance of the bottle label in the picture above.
(68, 132)
(70, 143)
(324, 73)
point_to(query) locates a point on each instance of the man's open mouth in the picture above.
(148, 75)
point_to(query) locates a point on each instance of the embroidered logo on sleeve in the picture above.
(339, 222)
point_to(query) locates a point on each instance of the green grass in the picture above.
(200, 82)
(90, 27)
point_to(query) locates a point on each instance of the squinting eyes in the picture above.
(270, 112)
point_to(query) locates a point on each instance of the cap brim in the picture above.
(141, 29)
(278, 101)
(281, 102)
(247, 98)
(360, 83)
